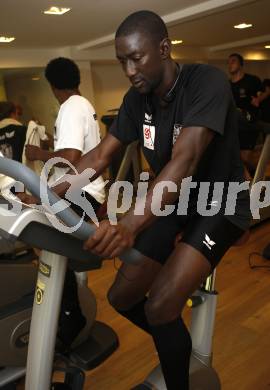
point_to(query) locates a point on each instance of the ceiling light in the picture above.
(35, 78)
(6, 39)
(267, 46)
(176, 42)
(242, 25)
(257, 56)
(56, 11)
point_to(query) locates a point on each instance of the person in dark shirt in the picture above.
(185, 120)
(247, 92)
(12, 132)
(245, 87)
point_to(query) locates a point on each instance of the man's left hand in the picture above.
(28, 199)
(255, 101)
(33, 152)
(110, 240)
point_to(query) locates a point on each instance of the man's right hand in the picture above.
(28, 199)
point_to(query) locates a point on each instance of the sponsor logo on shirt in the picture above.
(148, 118)
(149, 136)
(10, 135)
(176, 131)
(242, 93)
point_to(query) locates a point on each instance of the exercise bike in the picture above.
(36, 230)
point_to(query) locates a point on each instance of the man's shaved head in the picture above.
(144, 22)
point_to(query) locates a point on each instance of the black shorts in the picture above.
(248, 139)
(248, 132)
(212, 236)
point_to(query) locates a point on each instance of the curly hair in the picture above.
(6, 109)
(63, 73)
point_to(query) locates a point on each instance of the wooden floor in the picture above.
(242, 333)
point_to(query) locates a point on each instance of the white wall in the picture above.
(35, 97)
(110, 85)
(29, 58)
(3, 95)
(86, 87)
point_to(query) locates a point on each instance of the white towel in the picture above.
(35, 133)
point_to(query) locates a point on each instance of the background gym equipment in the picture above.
(260, 174)
(126, 165)
(17, 286)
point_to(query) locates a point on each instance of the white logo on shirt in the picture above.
(242, 93)
(10, 135)
(149, 136)
(208, 242)
(148, 117)
(176, 131)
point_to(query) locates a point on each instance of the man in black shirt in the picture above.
(246, 89)
(12, 132)
(185, 120)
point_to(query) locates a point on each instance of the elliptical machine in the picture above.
(34, 228)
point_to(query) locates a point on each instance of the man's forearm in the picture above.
(98, 159)
(45, 155)
(89, 160)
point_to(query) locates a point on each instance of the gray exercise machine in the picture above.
(126, 165)
(17, 286)
(130, 161)
(260, 173)
(34, 228)
(18, 277)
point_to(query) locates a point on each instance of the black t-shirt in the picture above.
(12, 140)
(243, 91)
(202, 98)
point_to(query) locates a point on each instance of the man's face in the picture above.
(141, 61)
(234, 65)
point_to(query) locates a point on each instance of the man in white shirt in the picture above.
(76, 133)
